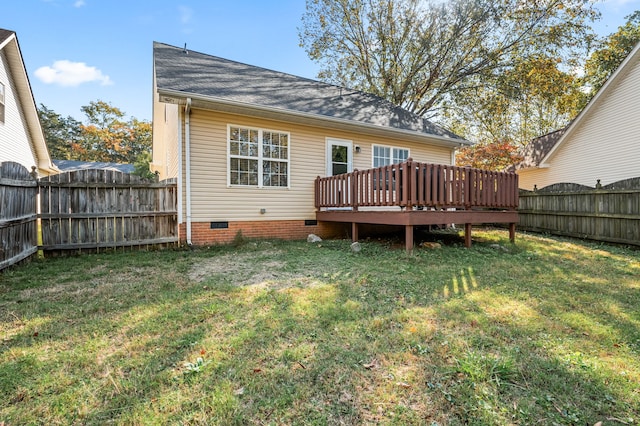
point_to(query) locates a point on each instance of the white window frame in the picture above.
(393, 150)
(260, 158)
(329, 142)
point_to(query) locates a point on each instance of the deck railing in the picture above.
(422, 185)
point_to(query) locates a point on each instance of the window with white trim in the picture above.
(258, 157)
(1, 103)
(385, 155)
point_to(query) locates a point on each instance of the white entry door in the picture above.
(339, 156)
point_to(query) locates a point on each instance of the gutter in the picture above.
(187, 150)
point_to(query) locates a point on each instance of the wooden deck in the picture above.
(414, 194)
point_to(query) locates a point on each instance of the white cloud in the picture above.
(186, 13)
(79, 3)
(69, 74)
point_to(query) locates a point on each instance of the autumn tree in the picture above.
(106, 136)
(419, 54)
(494, 155)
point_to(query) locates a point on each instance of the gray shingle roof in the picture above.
(5, 34)
(193, 73)
(72, 165)
(538, 148)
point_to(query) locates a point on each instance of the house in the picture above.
(601, 143)
(73, 165)
(247, 143)
(21, 137)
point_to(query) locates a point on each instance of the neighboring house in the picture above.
(21, 136)
(247, 143)
(602, 142)
(72, 165)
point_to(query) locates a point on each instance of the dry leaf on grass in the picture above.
(373, 364)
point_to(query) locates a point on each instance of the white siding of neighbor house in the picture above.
(15, 141)
(604, 145)
(214, 200)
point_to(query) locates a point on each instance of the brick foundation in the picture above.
(202, 234)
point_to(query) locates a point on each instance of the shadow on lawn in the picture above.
(439, 340)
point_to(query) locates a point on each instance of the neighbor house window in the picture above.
(385, 155)
(258, 157)
(1, 103)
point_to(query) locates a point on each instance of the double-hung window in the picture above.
(1, 103)
(385, 155)
(258, 157)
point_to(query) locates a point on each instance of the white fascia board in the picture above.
(27, 103)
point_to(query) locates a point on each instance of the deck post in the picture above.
(467, 235)
(354, 231)
(512, 232)
(408, 238)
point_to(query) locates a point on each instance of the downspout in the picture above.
(187, 153)
(180, 169)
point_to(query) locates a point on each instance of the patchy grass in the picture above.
(544, 332)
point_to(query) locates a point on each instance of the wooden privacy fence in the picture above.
(414, 184)
(18, 230)
(608, 213)
(93, 209)
(86, 209)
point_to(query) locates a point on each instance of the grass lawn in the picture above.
(544, 332)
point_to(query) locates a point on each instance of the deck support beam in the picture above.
(408, 238)
(411, 218)
(512, 232)
(467, 235)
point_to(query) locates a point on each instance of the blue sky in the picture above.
(78, 51)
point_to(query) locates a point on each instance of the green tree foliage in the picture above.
(61, 134)
(610, 53)
(419, 54)
(531, 98)
(141, 166)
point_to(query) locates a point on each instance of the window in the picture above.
(385, 155)
(1, 103)
(258, 157)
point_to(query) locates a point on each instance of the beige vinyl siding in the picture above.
(165, 139)
(605, 144)
(15, 140)
(214, 200)
(530, 177)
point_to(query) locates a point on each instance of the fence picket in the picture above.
(93, 209)
(610, 214)
(18, 221)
